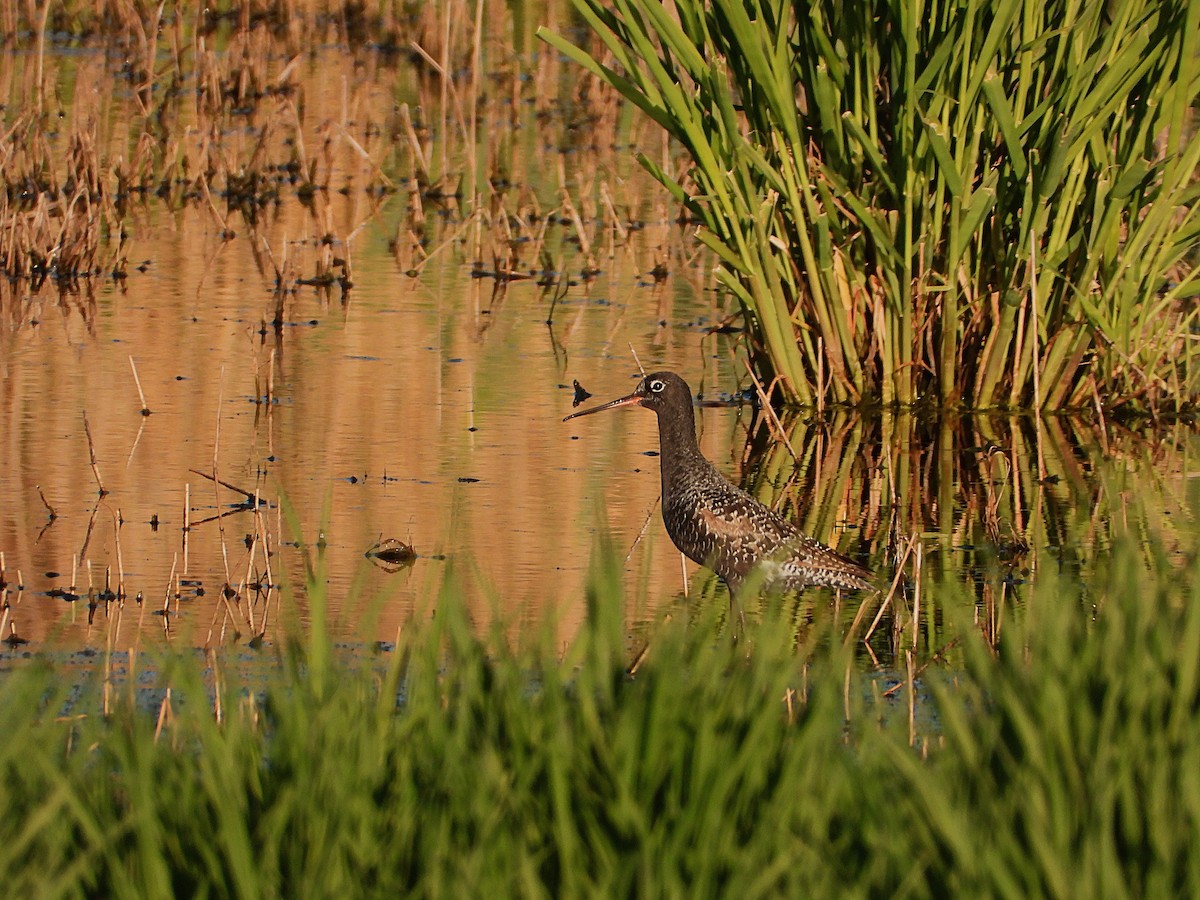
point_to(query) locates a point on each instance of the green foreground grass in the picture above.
(1064, 762)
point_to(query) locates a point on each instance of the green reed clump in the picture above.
(989, 203)
(1062, 762)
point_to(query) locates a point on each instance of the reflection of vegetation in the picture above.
(993, 500)
(991, 204)
(1059, 760)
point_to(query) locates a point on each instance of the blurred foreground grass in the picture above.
(1063, 762)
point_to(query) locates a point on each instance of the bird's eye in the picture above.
(658, 385)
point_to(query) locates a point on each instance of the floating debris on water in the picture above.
(391, 554)
(581, 394)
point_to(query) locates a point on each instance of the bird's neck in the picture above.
(677, 446)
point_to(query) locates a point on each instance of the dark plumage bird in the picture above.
(718, 525)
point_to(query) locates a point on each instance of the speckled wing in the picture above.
(731, 532)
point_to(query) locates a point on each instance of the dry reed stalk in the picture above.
(473, 115)
(261, 526)
(137, 381)
(862, 610)
(418, 152)
(92, 454)
(39, 100)
(117, 523)
(166, 607)
(247, 580)
(585, 244)
(777, 429)
(617, 225)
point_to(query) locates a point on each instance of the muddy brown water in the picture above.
(424, 405)
(413, 411)
(425, 410)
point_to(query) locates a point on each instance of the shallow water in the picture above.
(424, 404)
(412, 411)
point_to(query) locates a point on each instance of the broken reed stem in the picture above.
(261, 526)
(46, 503)
(244, 587)
(137, 381)
(120, 562)
(170, 580)
(92, 454)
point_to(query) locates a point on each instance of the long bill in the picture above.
(612, 404)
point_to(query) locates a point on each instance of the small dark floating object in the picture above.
(467, 479)
(581, 394)
(392, 555)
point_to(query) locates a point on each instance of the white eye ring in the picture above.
(657, 386)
